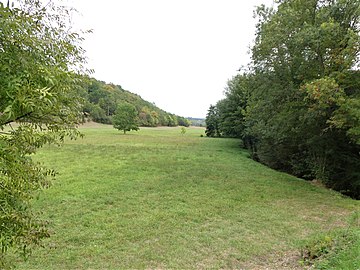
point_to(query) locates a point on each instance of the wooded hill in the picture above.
(101, 100)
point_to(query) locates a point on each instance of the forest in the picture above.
(297, 104)
(101, 100)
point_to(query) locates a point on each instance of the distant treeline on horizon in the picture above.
(102, 99)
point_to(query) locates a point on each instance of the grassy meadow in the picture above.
(160, 199)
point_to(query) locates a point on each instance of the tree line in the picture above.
(102, 100)
(296, 107)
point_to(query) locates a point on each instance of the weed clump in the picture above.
(318, 247)
(336, 248)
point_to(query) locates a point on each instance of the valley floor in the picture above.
(159, 199)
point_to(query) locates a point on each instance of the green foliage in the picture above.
(182, 121)
(40, 103)
(171, 120)
(197, 122)
(126, 118)
(102, 100)
(212, 122)
(227, 118)
(149, 118)
(347, 117)
(96, 113)
(318, 247)
(336, 249)
(298, 108)
(232, 109)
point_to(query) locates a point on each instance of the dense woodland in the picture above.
(102, 99)
(297, 106)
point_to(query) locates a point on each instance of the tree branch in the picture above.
(16, 119)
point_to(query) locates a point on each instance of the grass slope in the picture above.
(159, 199)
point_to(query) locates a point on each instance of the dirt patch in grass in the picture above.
(91, 124)
(289, 260)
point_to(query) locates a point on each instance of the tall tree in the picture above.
(302, 111)
(303, 53)
(40, 102)
(305, 59)
(126, 118)
(212, 122)
(232, 109)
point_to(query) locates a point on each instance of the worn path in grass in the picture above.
(159, 199)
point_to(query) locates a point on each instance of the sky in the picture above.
(178, 54)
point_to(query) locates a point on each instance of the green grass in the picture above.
(161, 199)
(335, 249)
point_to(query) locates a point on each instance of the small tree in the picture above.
(183, 130)
(126, 118)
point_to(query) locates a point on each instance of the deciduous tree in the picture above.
(126, 118)
(302, 112)
(40, 63)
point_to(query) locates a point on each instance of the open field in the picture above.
(159, 199)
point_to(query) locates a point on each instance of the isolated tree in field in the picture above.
(40, 66)
(126, 118)
(183, 130)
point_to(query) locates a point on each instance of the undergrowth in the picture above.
(335, 249)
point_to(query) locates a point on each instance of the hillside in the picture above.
(159, 199)
(102, 99)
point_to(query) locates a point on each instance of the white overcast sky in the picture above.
(178, 54)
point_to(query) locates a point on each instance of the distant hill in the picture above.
(199, 122)
(102, 99)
